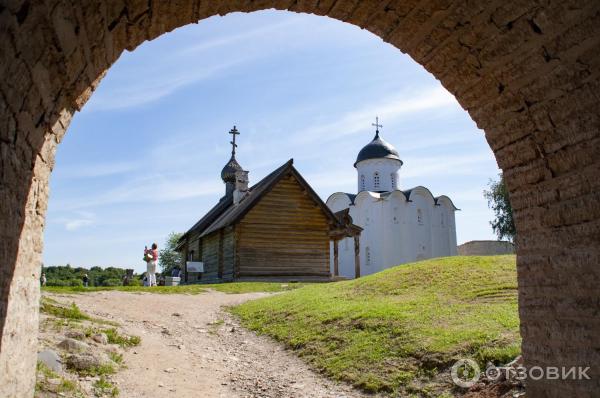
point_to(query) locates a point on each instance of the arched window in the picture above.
(376, 181)
(393, 181)
(362, 182)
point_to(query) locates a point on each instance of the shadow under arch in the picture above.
(525, 72)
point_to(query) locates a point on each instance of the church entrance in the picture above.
(526, 73)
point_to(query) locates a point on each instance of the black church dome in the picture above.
(378, 149)
(228, 172)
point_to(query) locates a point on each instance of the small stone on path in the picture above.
(100, 338)
(51, 359)
(73, 345)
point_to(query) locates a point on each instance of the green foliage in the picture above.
(116, 357)
(124, 341)
(73, 312)
(499, 201)
(396, 330)
(69, 313)
(46, 371)
(65, 387)
(103, 387)
(135, 282)
(168, 258)
(68, 276)
(101, 370)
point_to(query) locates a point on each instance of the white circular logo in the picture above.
(465, 373)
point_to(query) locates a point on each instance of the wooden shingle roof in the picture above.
(225, 213)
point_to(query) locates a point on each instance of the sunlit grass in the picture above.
(103, 387)
(396, 330)
(64, 387)
(66, 315)
(229, 287)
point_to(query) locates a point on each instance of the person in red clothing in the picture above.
(151, 257)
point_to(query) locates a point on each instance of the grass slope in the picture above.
(394, 331)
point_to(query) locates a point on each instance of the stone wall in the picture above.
(485, 248)
(526, 71)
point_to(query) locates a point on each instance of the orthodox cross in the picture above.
(376, 125)
(234, 131)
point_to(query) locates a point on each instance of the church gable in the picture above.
(286, 233)
(290, 202)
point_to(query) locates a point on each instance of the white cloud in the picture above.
(328, 182)
(142, 90)
(156, 188)
(443, 165)
(388, 109)
(83, 219)
(224, 41)
(163, 75)
(98, 170)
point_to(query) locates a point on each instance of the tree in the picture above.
(168, 258)
(498, 200)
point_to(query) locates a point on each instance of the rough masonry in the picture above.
(526, 71)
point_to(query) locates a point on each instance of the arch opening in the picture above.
(527, 75)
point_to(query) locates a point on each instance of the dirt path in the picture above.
(192, 348)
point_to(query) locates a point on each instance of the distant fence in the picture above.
(486, 248)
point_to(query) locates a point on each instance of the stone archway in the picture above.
(526, 71)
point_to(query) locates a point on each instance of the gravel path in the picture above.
(192, 348)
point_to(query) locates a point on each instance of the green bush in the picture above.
(57, 282)
(75, 282)
(112, 282)
(135, 282)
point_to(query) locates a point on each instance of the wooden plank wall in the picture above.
(285, 235)
(218, 256)
(194, 243)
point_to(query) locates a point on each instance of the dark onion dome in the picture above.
(228, 172)
(378, 149)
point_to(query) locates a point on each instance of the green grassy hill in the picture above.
(399, 330)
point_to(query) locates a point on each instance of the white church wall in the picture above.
(368, 214)
(447, 232)
(388, 176)
(422, 204)
(395, 230)
(338, 201)
(396, 234)
(452, 234)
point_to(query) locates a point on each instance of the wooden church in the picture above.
(278, 229)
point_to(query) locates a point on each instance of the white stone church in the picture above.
(399, 226)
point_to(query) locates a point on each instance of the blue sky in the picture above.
(143, 157)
